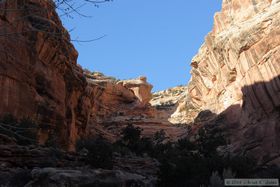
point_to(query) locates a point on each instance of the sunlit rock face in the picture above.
(39, 77)
(174, 105)
(236, 71)
(141, 88)
(116, 104)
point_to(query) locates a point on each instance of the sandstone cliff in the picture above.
(115, 104)
(40, 79)
(236, 72)
(174, 105)
(39, 76)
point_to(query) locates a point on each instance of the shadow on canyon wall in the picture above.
(252, 130)
(253, 127)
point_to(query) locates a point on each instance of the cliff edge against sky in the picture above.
(236, 72)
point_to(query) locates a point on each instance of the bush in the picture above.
(186, 163)
(131, 134)
(215, 180)
(8, 119)
(144, 145)
(185, 144)
(243, 166)
(208, 140)
(159, 137)
(52, 140)
(24, 131)
(131, 138)
(27, 132)
(99, 152)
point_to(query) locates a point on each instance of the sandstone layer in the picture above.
(40, 79)
(116, 104)
(236, 72)
(39, 76)
(174, 105)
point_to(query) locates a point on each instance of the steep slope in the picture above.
(39, 76)
(236, 72)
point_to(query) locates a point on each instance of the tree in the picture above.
(33, 13)
(99, 152)
(131, 134)
(159, 137)
(67, 7)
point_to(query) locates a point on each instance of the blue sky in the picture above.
(153, 38)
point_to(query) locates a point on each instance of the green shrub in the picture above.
(185, 163)
(208, 140)
(8, 119)
(131, 134)
(27, 131)
(242, 165)
(159, 137)
(131, 138)
(182, 163)
(52, 140)
(24, 131)
(215, 180)
(186, 144)
(100, 152)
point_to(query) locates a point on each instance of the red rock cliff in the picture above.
(236, 71)
(39, 77)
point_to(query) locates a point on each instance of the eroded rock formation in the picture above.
(40, 79)
(115, 104)
(237, 72)
(39, 76)
(174, 105)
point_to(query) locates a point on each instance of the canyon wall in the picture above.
(40, 79)
(39, 76)
(236, 72)
(116, 104)
(175, 106)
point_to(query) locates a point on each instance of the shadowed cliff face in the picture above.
(255, 123)
(236, 73)
(252, 128)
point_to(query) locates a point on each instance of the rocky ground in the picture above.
(32, 166)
